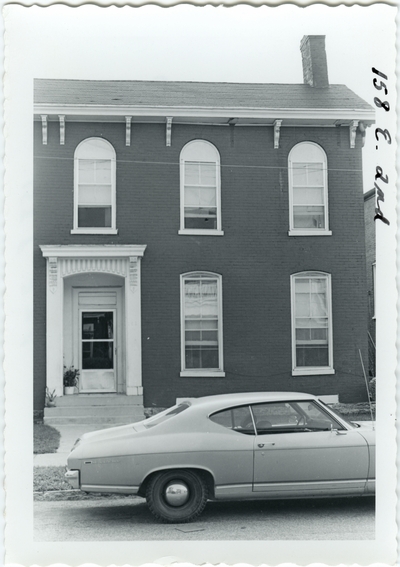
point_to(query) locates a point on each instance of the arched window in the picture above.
(94, 187)
(311, 323)
(200, 189)
(201, 312)
(308, 190)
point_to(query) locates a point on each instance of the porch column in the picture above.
(54, 326)
(133, 329)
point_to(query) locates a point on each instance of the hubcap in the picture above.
(176, 493)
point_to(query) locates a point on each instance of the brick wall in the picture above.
(370, 244)
(255, 256)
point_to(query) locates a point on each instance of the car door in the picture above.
(300, 449)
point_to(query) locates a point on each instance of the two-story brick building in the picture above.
(199, 238)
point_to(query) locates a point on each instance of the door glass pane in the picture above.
(97, 340)
(97, 355)
(97, 325)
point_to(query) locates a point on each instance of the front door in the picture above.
(98, 340)
(97, 351)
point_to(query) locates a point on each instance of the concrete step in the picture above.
(86, 420)
(75, 400)
(97, 409)
(107, 411)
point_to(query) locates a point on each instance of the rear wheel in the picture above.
(176, 496)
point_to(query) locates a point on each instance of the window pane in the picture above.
(308, 217)
(103, 171)
(299, 174)
(308, 196)
(192, 173)
(192, 196)
(208, 197)
(311, 323)
(200, 173)
(208, 174)
(201, 324)
(202, 223)
(203, 196)
(87, 170)
(94, 194)
(94, 217)
(201, 357)
(238, 419)
(315, 174)
(312, 355)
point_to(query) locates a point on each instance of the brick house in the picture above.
(198, 238)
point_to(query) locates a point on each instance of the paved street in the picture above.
(128, 519)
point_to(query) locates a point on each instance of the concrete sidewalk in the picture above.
(69, 434)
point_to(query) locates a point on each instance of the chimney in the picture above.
(315, 69)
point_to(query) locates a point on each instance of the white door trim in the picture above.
(63, 261)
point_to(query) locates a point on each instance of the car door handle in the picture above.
(261, 445)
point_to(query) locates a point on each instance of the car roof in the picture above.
(226, 400)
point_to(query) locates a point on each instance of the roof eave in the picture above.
(82, 112)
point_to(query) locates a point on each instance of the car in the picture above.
(231, 446)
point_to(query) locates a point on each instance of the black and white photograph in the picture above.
(200, 272)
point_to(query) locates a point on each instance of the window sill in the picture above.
(312, 371)
(94, 231)
(200, 232)
(202, 374)
(310, 233)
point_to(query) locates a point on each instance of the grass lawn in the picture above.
(46, 439)
(49, 485)
(355, 412)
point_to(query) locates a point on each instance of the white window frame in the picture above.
(312, 370)
(200, 151)
(300, 154)
(206, 372)
(95, 230)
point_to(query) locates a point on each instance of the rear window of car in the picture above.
(237, 419)
(165, 415)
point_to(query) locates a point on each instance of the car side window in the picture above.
(237, 419)
(292, 417)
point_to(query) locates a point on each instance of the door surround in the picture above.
(67, 260)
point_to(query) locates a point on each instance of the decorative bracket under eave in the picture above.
(128, 120)
(133, 272)
(44, 129)
(277, 133)
(62, 129)
(52, 274)
(168, 131)
(353, 132)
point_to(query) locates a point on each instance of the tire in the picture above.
(185, 508)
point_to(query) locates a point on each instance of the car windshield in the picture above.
(164, 415)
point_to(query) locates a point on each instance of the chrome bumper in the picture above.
(73, 478)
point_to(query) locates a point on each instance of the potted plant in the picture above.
(50, 398)
(71, 377)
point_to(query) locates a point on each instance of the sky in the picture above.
(187, 43)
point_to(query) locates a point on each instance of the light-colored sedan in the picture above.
(232, 446)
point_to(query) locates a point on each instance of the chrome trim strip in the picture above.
(309, 485)
(110, 488)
